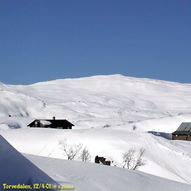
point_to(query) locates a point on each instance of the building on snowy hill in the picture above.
(183, 132)
(51, 123)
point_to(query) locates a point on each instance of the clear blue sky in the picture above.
(43, 40)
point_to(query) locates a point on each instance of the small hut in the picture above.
(51, 123)
(183, 132)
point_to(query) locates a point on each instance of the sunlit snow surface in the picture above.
(93, 177)
(104, 110)
(17, 170)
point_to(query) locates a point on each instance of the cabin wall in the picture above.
(55, 127)
(181, 137)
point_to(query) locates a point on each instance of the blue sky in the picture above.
(43, 40)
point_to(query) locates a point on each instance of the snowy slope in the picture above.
(115, 102)
(163, 157)
(94, 177)
(94, 101)
(16, 169)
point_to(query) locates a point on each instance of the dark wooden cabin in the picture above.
(183, 132)
(51, 123)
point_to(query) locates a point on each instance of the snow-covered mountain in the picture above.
(94, 101)
(111, 114)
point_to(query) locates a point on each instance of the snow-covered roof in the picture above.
(45, 122)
